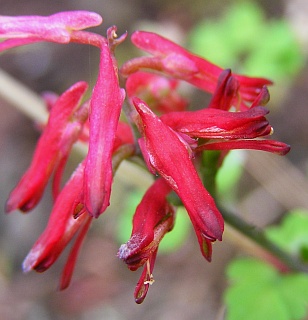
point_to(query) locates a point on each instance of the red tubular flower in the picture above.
(61, 227)
(52, 150)
(169, 156)
(220, 124)
(55, 28)
(105, 108)
(232, 130)
(124, 135)
(157, 91)
(154, 217)
(272, 146)
(177, 62)
(226, 92)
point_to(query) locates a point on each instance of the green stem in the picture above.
(258, 237)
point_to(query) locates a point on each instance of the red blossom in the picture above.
(157, 91)
(169, 156)
(154, 217)
(105, 108)
(220, 124)
(61, 132)
(61, 227)
(17, 31)
(177, 62)
(170, 144)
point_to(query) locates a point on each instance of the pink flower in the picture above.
(53, 148)
(105, 109)
(212, 123)
(169, 156)
(177, 62)
(61, 228)
(157, 91)
(17, 31)
(154, 217)
(272, 146)
(231, 130)
(171, 145)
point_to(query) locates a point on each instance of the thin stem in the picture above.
(88, 38)
(22, 98)
(284, 259)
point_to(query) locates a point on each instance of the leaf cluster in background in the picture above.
(292, 234)
(244, 40)
(258, 291)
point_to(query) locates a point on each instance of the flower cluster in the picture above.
(159, 129)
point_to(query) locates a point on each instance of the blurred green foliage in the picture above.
(244, 40)
(228, 176)
(258, 291)
(292, 234)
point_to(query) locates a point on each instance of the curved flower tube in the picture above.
(170, 158)
(154, 217)
(61, 227)
(105, 108)
(53, 148)
(177, 62)
(22, 30)
(219, 124)
(157, 91)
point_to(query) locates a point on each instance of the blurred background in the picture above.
(260, 38)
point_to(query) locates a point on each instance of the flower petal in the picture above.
(219, 124)
(272, 146)
(157, 91)
(199, 72)
(55, 28)
(61, 226)
(55, 143)
(169, 156)
(153, 218)
(105, 108)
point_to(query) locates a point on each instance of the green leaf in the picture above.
(242, 39)
(296, 300)
(277, 54)
(258, 292)
(291, 235)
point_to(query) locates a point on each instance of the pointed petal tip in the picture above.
(141, 107)
(141, 291)
(8, 208)
(30, 261)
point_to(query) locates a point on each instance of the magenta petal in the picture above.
(105, 108)
(146, 279)
(71, 260)
(272, 146)
(61, 226)
(203, 74)
(154, 217)
(219, 124)
(170, 157)
(55, 143)
(55, 28)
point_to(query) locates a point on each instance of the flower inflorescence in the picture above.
(159, 129)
